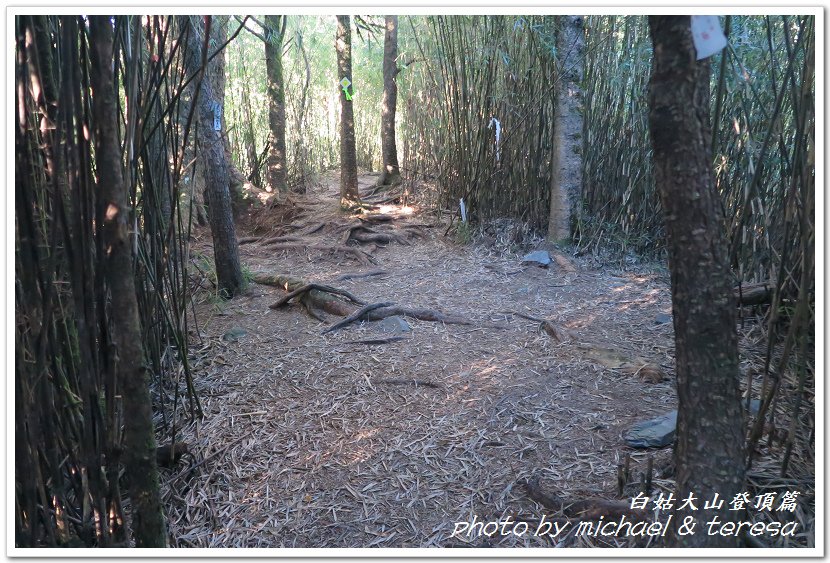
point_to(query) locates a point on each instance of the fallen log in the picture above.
(754, 293)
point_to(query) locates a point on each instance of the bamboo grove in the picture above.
(762, 111)
(71, 411)
(476, 109)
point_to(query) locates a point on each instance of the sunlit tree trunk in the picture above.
(348, 155)
(390, 172)
(139, 454)
(710, 430)
(277, 162)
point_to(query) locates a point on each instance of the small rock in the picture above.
(540, 258)
(662, 318)
(653, 433)
(234, 334)
(394, 324)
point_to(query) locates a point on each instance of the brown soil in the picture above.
(313, 441)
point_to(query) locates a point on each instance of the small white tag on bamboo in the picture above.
(707, 36)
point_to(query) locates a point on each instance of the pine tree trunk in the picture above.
(139, 437)
(390, 171)
(277, 163)
(217, 176)
(710, 430)
(348, 155)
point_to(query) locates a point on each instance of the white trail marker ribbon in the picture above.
(494, 121)
(707, 36)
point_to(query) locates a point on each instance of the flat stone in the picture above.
(540, 258)
(656, 432)
(659, 432)
(234, 334)
(394, 324)
(662, 318)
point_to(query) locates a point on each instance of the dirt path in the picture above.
(310, 445)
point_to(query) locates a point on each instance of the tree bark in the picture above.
(348, 154)
(390, 171)
(710, 432)
(566, 164)
(217, 177)
(277, 162)
(215, 74)
(139, 436)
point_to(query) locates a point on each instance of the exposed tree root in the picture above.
(313, 299)
(420, 314)
(356, 253)
(556, 332)
(609, 358)
(313, 286)
(377, 341)
(357, 315)
(415, 382)
(587, 509)
(270, 240)
(362, 234)
(378, 218)
(321, 297)
(362, 275)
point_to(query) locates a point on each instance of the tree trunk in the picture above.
(390, 171)
(277, 163)
(139, 437)
(566, 163)
(215, 75)
(710, 431)
(348, 155)
(217, 177)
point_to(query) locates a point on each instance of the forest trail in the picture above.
(311, 440)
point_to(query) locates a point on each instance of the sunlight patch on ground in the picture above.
(397, 209)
